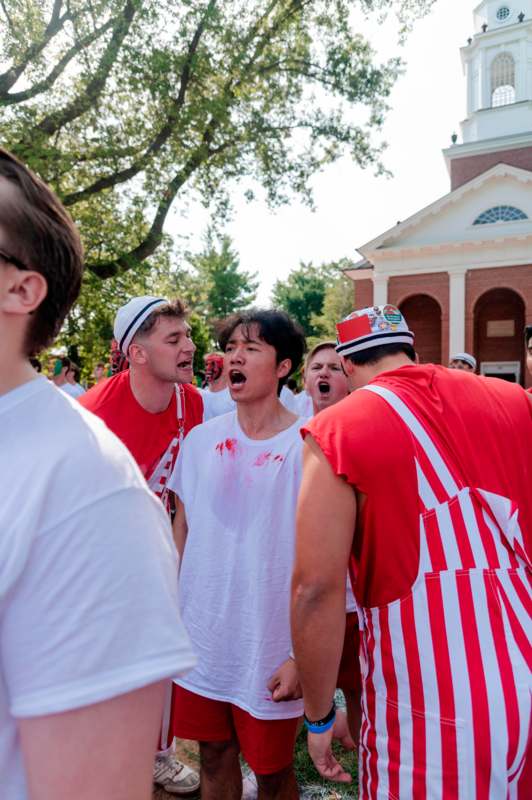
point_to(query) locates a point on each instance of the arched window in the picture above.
(502, 80)
(500, 214)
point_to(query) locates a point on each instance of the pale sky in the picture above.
(354, 206)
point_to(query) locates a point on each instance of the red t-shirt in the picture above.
(146, 435)
(482, 427)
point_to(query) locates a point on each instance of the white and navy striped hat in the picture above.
(372, 327)
(130, 317)
(467, 358)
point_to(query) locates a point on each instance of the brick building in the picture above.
(461, 268)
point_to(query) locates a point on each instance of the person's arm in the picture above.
(180, 527)
(103, 751)
(326, 517)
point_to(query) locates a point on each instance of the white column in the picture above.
(380, 290)
(456, 311)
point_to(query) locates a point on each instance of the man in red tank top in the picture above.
(151, 407)
(420, 480)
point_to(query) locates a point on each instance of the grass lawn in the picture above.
(312, 787)
(315, 788)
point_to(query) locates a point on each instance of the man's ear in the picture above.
(24, 292)
(348, 366)
(137, 354)
(284, 367)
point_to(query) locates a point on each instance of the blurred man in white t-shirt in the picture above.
(72, 385)
(89, 621)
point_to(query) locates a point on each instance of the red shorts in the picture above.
(349, 670)
(266, 744)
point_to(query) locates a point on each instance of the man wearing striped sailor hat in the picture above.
(421, 480)
(151, 406)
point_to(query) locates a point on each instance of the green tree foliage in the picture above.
(337, 302)
(221, 286)
(125, 105)
(303, 293)
(88, 329)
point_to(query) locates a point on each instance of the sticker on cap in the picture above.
(392, 314)
(353, 328)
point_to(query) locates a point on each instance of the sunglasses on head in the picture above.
(9, 259)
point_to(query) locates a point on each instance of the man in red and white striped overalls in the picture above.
(422, 481)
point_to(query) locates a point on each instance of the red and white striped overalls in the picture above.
(447, 669)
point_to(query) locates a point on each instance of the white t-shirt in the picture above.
(240, 500)
(88, 571)
(216, 403)
(303, 405)
(288, 399)
(72, 389)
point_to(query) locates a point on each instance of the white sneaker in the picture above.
(250, 790)
(175, 777)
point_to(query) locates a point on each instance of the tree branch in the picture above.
(56, 23)
(9, 20)
(58, 119)
(48, 82)
(202, 154)
(121, 176)
(153, 238)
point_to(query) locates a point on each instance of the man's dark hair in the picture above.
(291, 384)
(528, 334)
(375, 354)
(36, 364)
(276, 328)
(76, 369)
(176, 309)
(41, 235)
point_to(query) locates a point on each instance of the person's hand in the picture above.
(284, 683)
(320, 751)
(341, 731)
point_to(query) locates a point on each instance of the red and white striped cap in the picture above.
(372, 327)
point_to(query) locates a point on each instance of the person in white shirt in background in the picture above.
(59, 368)
(217, 399)
(89, 616)
(463, 361)
(302, 402)
(72, 386)
(326, 384)
(289, 399)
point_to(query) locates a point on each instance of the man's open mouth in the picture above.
(236, 377)
(185, 364)
(324, 387)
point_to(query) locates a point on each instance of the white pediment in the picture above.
(448, 224)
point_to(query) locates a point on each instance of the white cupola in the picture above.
(498, 66)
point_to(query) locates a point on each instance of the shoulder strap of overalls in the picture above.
(180, 411)
(420, 434)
